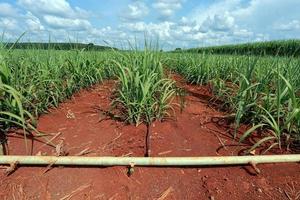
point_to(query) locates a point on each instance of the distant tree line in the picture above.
(57, 46)
(279, 47)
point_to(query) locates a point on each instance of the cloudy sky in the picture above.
(176, 23)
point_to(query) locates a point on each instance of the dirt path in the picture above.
(81, 127)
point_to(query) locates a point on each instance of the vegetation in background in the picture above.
(57, 46)
(274, 48)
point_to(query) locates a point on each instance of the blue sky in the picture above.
(176, 23)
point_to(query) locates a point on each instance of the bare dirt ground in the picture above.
(82, 129)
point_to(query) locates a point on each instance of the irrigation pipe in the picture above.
(148, 161)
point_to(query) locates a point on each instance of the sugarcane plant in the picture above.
(261, 92)
(144, 92)
(11, 109)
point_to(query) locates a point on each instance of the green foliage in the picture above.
(57, 46)
(47, 77)
(40, 79)
(31, 81)
(11, 107)
(263, 91)
(275, 48)
(144, 92)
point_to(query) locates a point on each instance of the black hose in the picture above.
(148, 148)
(3, 143)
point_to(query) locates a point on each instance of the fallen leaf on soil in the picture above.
(70, 115)
(111, 142)
(81, 188)
(84, 152)
(49, 167)
(166, 193)
(60, 148)
(50, 141)
(127, 154)
(254, 166)
(252, 152)
(164, 152)
(113, 197)
(291, 192)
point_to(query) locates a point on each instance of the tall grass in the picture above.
(274, 48)
(32, 81)
(11, 107)
(144, 91)
(260, 91)
(44, 78)
(47, 77)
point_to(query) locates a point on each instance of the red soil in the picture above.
(193, 133)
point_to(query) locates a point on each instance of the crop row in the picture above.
(275, 48)
(32, 81)
(260, 91)
(263, 92)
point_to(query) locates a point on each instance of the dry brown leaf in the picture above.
(166, 193)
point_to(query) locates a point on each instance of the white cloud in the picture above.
(7, 10)
(41, 18)
(59, 8)
(209, 23)
(261, 14)
(135, 11)
(163, 30)
(79, 12)
(244, 21)
(114, 37)
(293, 25)
(258, 16)
(166, 8)
(33, 23)
(201, 13)
(67, 24)
(218, 22)
(243, 33)
(8, 24)
(134, 27)
(189, 33)
(55, 14)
